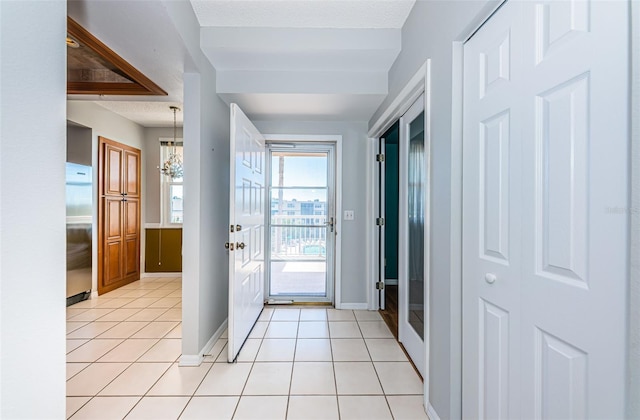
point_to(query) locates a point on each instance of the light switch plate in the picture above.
(349, 215)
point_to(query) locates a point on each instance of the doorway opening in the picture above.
(300, 222)
(388, 207)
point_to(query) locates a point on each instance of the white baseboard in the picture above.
(431, 413)
(196, 359)
(356, 306)
(148, 275)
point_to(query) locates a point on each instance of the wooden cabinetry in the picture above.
(118, 215)
(163, 250)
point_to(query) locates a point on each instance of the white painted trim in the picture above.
(431, 412)
(162, 226)
(455, 229)
(633, 351)
(160, 275)
(355, 306)
(373, 267)
(337, 139)
(407, 96)
(197, 359)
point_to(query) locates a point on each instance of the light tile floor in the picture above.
(298, 363)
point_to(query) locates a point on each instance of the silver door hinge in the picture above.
(379, 157)
(379, 285)
(380, 221)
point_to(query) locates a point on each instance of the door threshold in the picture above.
(295, 303)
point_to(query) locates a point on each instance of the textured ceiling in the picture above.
(303, 13)
(147, 114)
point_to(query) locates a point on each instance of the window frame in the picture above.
(166, 183)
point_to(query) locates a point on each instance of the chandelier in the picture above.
(173, 165)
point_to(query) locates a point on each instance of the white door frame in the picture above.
(419, 84)
(633, 404)
(337, 141)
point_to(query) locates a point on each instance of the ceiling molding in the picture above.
(139, 85)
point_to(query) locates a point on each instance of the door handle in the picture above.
(240, 245)
(330, 223)
(490, 278)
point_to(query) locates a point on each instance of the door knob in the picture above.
(490, 278)
(240, 245)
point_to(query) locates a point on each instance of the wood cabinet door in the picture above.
(118, 215)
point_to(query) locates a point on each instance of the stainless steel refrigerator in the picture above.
(79, 190)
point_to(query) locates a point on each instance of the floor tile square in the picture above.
(74, 325)
(93, 378)
(129, 351)
(407, 407)
(114, 303)
(123, 330)
(313, 314)
(86, 304)
(155, 329)
(166, 302)
(165, 350)
(249, 350)
(158, 408)
(120, 314)
(147, 314)
(282, 314)
(180, 380)
(71, 312)
(344, 329)
(74, 344)
(398, 378)
(313, 350)
(356, 378)
(385, 350)
(225, 379)
(316, 407)
(367, 316)
(136, 380)
(74, 368)
(141, 302)
(175, 333)
(313, 329)
(272, 378)
(340, 315)
(349, 350)
(74, 404)
(205, 408)
(313, 378)
(259, 328)
(93, 350)
(135, 293)
(259, 408)
(375, 329)
(282, 330)
(363, 407)
(92, 314)
(266, 314)
(107, 408)
(92, 330)
(159, 293)
(276, 350)
(171, 315)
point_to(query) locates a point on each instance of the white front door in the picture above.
(544, 258)
(246, 237)
(412, 210)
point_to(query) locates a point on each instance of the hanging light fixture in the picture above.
(173, 165)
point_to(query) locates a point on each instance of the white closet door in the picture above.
(544, 257)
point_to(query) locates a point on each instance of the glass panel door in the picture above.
(300, 224)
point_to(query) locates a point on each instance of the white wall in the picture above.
(104, 123)
(205, 270)
(429, 32)
(32, 209)
(354, 197)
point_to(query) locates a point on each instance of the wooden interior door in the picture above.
(118, 215)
